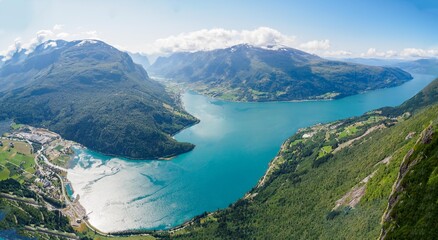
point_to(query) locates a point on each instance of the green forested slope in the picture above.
(426, 97)
(413, 209)
(21, 216)
(92, 93)
(312, 192)
(248, 73)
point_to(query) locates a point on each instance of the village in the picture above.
(44, 158)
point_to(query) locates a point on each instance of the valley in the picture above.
(218, 120)
(322, 150)
(225, 137)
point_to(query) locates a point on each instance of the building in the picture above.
(46, 183)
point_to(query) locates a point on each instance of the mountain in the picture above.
(247, 73)
(374, 61)
(92, 93)
(420, 66)
(140, 59)
(427, 97)
(426, 65)
(367, 177)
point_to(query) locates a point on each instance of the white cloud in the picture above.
(62, 35)
(217, 38)
(405, 53)
(316, 45)
(58, 27)
(41, 36)
(372, 52)
(205, 39)
(89, 34)
(12, 49)
(338, 53)
(418, 52)
(209, 39)
(44, 35)
(265, 36)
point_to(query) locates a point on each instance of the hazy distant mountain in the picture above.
(424, 66)
(374, 61)
(140, 59)
(94, 94)
(247, 73)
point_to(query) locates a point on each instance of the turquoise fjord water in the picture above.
(234, 144)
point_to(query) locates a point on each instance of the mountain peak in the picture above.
(92, 93)
(47, 46)
(90, 42)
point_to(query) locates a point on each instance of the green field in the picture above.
(348, 131)
(296, 142)
(16, 162)
(16, 126)
(62, 160)
(324, 151)
(374, 119)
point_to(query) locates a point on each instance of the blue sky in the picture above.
(368, 28)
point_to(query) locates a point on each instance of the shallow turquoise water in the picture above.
(234, 144)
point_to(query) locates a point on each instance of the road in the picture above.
(39, 153)
(52, 232)
(15, 198)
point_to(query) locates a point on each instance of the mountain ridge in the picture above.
(248, 73)
(141, 59)
(92, 93)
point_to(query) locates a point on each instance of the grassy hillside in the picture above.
(333, 181)
(247, 73)
(91, 93)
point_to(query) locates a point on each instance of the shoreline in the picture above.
(296, 101)
(415, 77)
(187, 87)
(47, 139)
(139, 232)
(182, 226)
